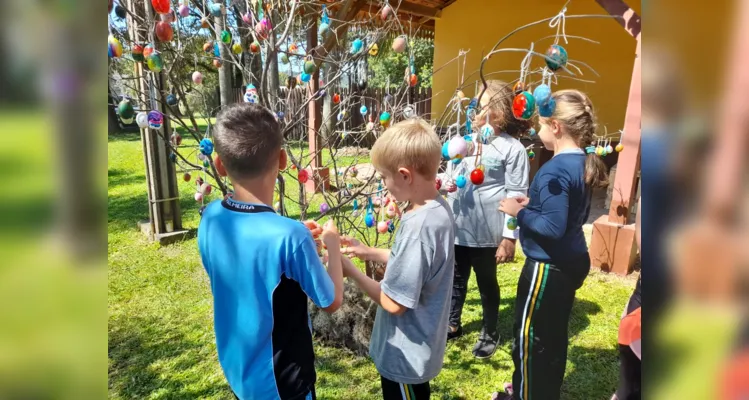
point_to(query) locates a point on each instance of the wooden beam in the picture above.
(417, 10)
(629, 19)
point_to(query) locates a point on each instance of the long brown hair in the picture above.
(499, 105)
(574, 111)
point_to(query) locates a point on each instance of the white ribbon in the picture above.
(525, 64)
(559, 23)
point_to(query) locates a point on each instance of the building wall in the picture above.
(478, 24)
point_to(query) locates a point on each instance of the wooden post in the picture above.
(319, 176)
(613, 246)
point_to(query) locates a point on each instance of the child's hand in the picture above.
(505, 251)
(510, 207)
(523, 200)
(451, 187)
(313, 227)
(330, 236)
(354, 247)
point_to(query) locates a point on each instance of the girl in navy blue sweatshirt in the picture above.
(551, 235)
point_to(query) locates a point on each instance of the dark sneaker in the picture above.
(505, 395)
(453, 332)
(486, 345)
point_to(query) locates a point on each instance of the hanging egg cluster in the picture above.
(251, 95)
(556, 57)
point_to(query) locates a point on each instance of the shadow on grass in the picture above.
(140, 350)
(594, 373)
(119, 177)
(124, 137)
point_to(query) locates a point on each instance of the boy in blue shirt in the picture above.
(263, 266)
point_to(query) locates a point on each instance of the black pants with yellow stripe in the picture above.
(401, 391)
(542, 311)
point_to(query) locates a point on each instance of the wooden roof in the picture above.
(418, 14)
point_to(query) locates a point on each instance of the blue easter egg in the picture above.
(173, 157)
(280, 115)
(305, 77)
(461, 181)
(356, 204)
(391, 227)
(363, 110)
(547, 110)
(216, 52)
(532, 132)
(369, 219)
(206, 146)
(542, 94)
(215, 9)
(357, 45)
(445, 153)
(556, 57)
(457, 160)
(171, 99)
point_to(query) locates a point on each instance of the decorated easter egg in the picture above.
(363, 110)
(445, 150)
(355, 204)
(523, 105)
(305, 77)
(206, 189)
(487, 131)
(477, 176)
(437, 183)
(155, 119)
(531, 155)
(197, 77)
(336, 98)
(293, 48)
(385, 119)
(164, 31)
(399, 44)
(324, 207)
(386, 12)
(457, 160)
(216, 50)
(284, 58)
(255, 47)
(461, 181)
(250, 95)
(154, 62)
(115, 47)
(217, 9)
(171, 99)
(556, 57)
(186, 177)
(369, 220)
(324, 28)
(469, 144)
(532, 132)
(142, 119)
(452, 188)
(413, 80)
(512, 223)
(262, 29)
(217, 63)
(390, 211)
(542, 94)
(208, 46)
(518, 87)
(382, 226)
(391, 226)
(374, 49)
(204, 23)
(161, 6)
(206, 146)
(127, 121)
(247, 18)
(303, 176)
(457, 147)
(609, 149)
(619, 147)
(225, 37)
(120, 12)
(236, 48)
(198, 196)
(309, 67)
(547, 110)
(137, 53)
(354, 172)
(356, 45)
(184, 11)
(125, 109)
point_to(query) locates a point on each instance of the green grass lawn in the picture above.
(162, 345)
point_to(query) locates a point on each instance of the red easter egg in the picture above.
(206, 188)
(176, 139)
(336, 98)
(414, 80)
(148, 50)
(437, 183)
(161, 6)
(217, 63)
(186, 177)
(477, 176)
(255, 47)
(303, 175)
(164, 31)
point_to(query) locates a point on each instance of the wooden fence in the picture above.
(374, 98)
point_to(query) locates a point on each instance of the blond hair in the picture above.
(500, 96)
(574, 112)
(408, 144)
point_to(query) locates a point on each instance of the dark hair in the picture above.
(248, 139)
(574, 111)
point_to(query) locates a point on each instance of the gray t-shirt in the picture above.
(478, 223)
(409, 348)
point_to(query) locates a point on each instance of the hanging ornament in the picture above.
(556, 57)
(619, 147)
(363, 110)
(324, 207)
(186, 177)
(487, 131)
(477, 176)
(336, 98)
(461, 181)
(452, 189)
(446, 150)
(204, 23)
(216, 9)
(609, 149)
(137, 53)
(247, 18)
(251, 95)
(125, 109)
(262, 29)
(385, 119)
(206, 146)
(184, 11)
(225, 37)
(532, 132)
(208, 46)
(217, 63)
(356, 46)
(303, 176)
(542, 94)
(127, 121)
(284, 58)
(518, 88)
(255, 47)
(355, 204)
(413, 80)
(531, 154)
(391, 210)
(198, 197)
(324, 29)
(457, 147)
(216, 50)
(409, 111)
(469, 145)
(236, 48)
(547, 110)
(142, 120)
(369, 219)
(115, 47)
(374, 49)
(399, 44)
(523, 105)
(161, 6)
(155, 119)
(171, 99)
(176, 139)
(362, 85)
(391, 226)
(382, 226)
(309, 65)
(437, 183)
(387, 99)
(169, 17)
(305, 77)
(120, 12)
(293, 48)
(512, 223)
(386, 12)
(154, 62)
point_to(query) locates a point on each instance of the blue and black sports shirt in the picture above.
(262, 267)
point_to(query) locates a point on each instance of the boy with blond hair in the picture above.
(408, 338)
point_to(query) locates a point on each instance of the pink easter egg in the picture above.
(197, 77)
(198, 196)
(184, 10)
(457, 147)
(382, 226)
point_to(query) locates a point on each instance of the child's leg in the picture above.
(485, 266)
(401, 391)
(524, 287)
(460, 283)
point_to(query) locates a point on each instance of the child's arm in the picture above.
(551, 221)
(516, 183)
(333, 242)
(363, 252)
(324, 288)
(371, 287)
